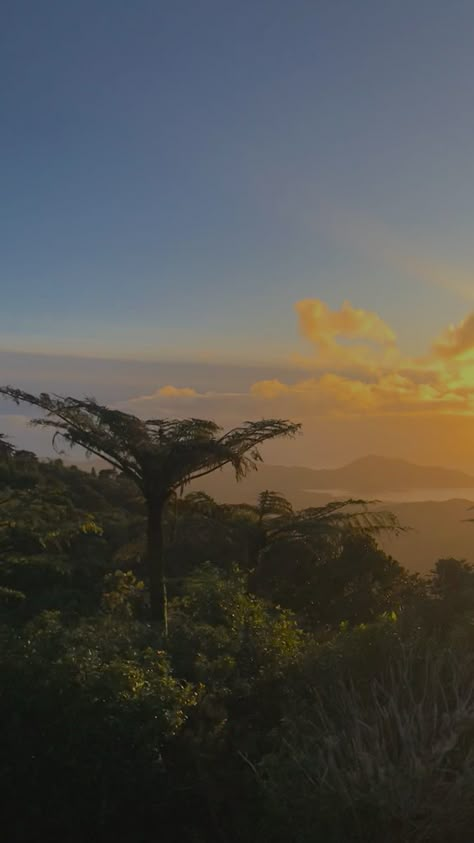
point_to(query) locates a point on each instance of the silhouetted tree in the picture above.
(279, 521)
(300, 553)
(160, 455)
(6, 448)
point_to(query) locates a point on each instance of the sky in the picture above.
(234, 210)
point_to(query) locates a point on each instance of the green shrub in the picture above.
(390, 759)
(86, 714)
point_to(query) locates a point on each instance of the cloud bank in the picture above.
(358, 369)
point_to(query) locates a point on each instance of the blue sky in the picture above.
(170, 170)
(177, 175)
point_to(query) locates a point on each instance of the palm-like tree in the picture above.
(272, 525)
(6, 448)
(306, 559)
(160, 455)
(273, 519)
(279, 520)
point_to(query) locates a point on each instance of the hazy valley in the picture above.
(432, 502)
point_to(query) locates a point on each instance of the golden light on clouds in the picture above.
(457, 340)
(357, 368)
(170, 391)
(375, 381)
(324, 326)
(269, 389)
(347, 337)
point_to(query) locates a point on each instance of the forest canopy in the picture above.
(305, 687)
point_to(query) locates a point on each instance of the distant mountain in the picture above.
(381, 474)
(371, 475)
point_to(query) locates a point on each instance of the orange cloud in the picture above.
(167, 391)
(360, 371)
(323, 326)
(347, 337)
(177, 392)
(269, 389)
(457, 339)
(333, 394)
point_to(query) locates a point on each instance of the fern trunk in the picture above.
(156, 564)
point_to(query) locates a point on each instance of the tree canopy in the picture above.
(160, 455)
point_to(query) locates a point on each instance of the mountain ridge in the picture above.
(370, 474)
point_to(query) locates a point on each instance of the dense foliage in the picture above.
(309, 688)
(159, 456)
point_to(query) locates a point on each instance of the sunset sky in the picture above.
(232, 210)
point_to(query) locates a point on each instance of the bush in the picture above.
(241, 652)
(391, 759)
(86, 714)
